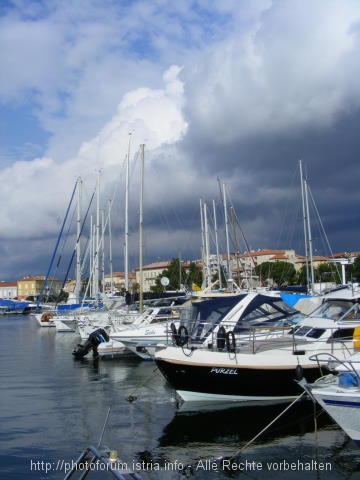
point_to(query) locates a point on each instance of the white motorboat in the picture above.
(339, 394)
(253, 308)
(86, 324)
(209, 366)
(115, 330)
(115, 320)
(150, 329)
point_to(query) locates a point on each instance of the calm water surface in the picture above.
(52, 407)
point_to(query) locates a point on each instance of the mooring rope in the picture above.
(132, 397)
(239, 452)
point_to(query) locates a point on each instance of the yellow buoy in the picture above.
(356, 337)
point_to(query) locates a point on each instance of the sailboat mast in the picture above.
(202, 243)
(305, 226)
(309, 233)
(207, 248)
(102, 250)
(237, 247)
(126, 245)
(91, 256)
(55, 250)
(78, 247)
(97, 240)
(141, 295)
(110, 253)
(94, 269)
(229, 272)
(217, 246)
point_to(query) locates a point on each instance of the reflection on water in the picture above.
(52, 407)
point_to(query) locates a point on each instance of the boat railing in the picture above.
(123, 318)
(257, 338)
(334, 362)
(150, 315)
(225, 336)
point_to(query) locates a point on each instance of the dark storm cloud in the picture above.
(278, 82)
(263, 177)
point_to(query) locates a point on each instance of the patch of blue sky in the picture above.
(142, 47)
(21, 135)
(182, 30)
(26, 9)
(216, 23)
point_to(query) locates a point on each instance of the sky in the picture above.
(230, 93)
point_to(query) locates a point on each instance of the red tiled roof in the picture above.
(260, 253)
(345, 254)
(38, 277)
(156, 265)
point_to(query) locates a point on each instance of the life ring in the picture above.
(182, 336)
(174, 333)
(46, 317)
(221, 338)
(230, 342)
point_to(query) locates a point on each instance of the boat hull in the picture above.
(343, 407)
(235, 383)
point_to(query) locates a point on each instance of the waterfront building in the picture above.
(151, 273)
(8, 290)
(31, 286)
(118, 279)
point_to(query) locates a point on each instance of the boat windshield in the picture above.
(262, 311)
(203, 316)
(334, 310)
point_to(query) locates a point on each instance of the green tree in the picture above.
(192, 274)
(326, 272)
(355, 270)
(301, 276)
(282, 273)
(173, 274)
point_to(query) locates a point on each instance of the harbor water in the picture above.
(52, 407)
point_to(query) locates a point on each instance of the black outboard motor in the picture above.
(94, 340)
